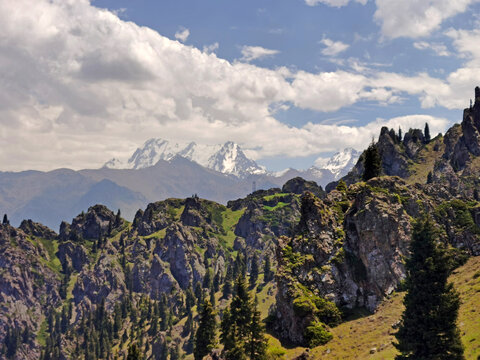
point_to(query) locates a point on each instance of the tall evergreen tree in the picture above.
(256, 343)
(267, 269)
(372, 163)
(5, 220)
(205, 336)
(427, 133)
(133, 352)
(428, 328)
(254, 271)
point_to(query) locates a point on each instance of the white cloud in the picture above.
(80, 86)
(182, 34)
(250, 53)
(210, 48)
(333, 3)
(439, 49)
(413, 18)
(333, 48)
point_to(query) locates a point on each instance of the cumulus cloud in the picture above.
(80, 86)
(333, 48)
(439, 49)
(182, 34)
(413, 18)
(250, 53)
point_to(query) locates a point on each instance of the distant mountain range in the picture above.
(227, 158)
(230, 159)
(157, 171)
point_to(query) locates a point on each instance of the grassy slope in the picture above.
(354, 339)
(425, 161)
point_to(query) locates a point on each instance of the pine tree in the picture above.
(427, 134)
(257, 343)
(428, 328)
(372, 163)
(5, 220)
(429, 177)
(399, 134)
(189, 298)
(254, 271)
(133, 352)
(118, 218)
(205, 336)
(267, 270)
(175, 352)
(240, 307)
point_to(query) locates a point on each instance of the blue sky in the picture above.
(290, 80)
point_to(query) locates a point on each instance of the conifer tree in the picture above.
(256, 343)
(254, 271)
(205, 336)
(427, 134)
(5, 220)
(216, 281)
(429, 177)
(372, 163)
(399, 134)
(267, 270)
(428, 328)
(133, 352)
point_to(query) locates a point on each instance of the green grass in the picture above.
(71, 285)
(229, 221)
(276, 207)
(160, 234)
(275, 196)
(53, 262)
(425, 161)
(42, 333)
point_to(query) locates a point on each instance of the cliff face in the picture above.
(350, 247)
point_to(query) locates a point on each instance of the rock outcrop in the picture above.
(350, 247)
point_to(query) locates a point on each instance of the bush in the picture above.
(303, 306)
(328, 312)
(316, 334)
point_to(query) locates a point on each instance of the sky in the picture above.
(291, 81)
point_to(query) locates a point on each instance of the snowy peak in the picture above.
(230, 159)
(340, 163)
(227, 158)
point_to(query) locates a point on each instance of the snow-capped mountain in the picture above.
(227, 158)
(340, 163)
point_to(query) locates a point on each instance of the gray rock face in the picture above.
(177, 249)
(97, 222)
(37, 229)
(299, 186)
(157, 216)
(72, 256)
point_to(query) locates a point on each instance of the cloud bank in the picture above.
(80, 86)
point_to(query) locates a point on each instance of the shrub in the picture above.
(316, 334)
(327, 311)
(303, 306)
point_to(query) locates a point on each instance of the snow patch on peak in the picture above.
(340, 163)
